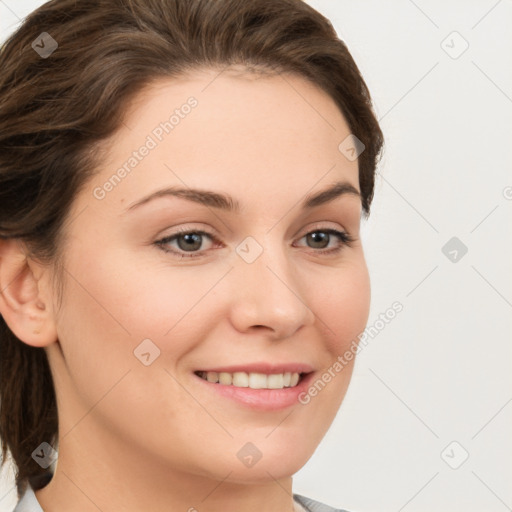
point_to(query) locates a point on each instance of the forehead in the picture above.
(244, 133)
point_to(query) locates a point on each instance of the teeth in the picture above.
(224, 378)
(212, 377)
(275, 381)
(253, 380)
(240, 379)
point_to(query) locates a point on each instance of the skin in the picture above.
(135, 437)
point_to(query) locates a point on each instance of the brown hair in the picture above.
(56, 109)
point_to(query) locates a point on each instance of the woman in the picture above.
(182, 183)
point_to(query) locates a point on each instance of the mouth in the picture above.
(254, 380)
(259, 386)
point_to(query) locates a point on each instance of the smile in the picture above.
(252, 380)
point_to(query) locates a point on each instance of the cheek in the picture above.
(110, 305)
(95, 338)
(344, 306)
(122, 300)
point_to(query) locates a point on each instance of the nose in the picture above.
(267, 295)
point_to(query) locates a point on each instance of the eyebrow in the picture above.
(227, 203)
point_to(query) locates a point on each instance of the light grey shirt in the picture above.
(28, 503)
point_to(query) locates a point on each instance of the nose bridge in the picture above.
(268, 291)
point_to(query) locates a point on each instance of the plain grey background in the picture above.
(426, 422)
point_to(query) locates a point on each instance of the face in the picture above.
(158, 289)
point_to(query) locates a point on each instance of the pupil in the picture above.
(320, 237)
(191, 239)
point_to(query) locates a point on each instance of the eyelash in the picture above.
(344, 238)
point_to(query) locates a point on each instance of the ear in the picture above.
(25, 297)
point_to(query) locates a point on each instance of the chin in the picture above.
(262, 472)
(272, 464)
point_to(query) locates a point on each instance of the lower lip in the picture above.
(261, 399)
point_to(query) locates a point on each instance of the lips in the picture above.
(272, 391)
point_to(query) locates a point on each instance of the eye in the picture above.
(321, 237)
(189, 243)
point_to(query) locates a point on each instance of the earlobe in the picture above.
(25, 300)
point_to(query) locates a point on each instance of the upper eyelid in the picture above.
(183, 231)
(319, 225)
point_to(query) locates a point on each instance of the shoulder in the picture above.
(28, 501)
(315, 506)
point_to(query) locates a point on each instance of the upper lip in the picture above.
(266, 368)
